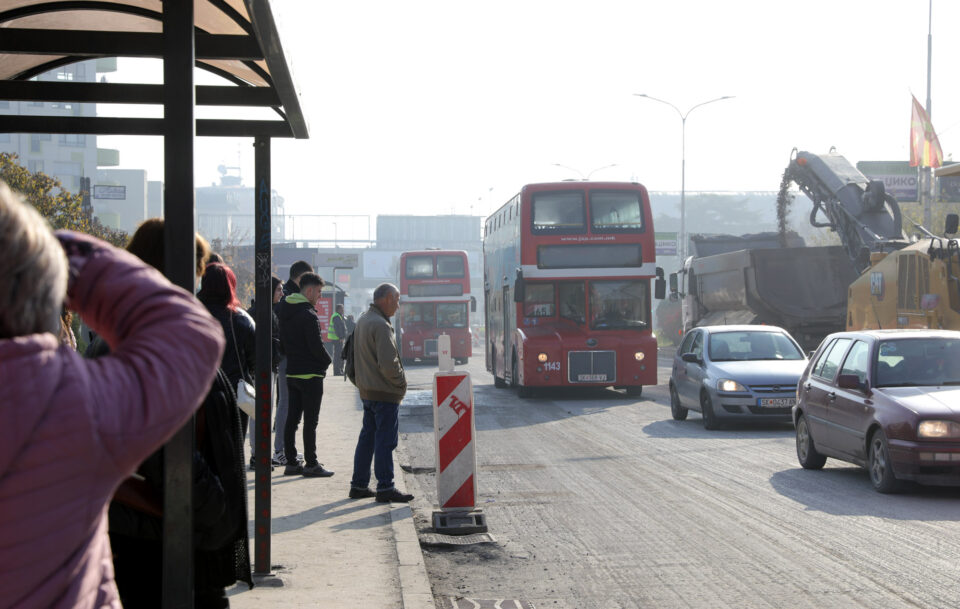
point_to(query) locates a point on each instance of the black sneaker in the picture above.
(393, 496)
(361, 493)
(293, 470)
(315, 471)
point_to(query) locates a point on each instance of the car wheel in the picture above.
(706, 409)
(635, 391)
(807, 453)
(879, 465)
(679, 412)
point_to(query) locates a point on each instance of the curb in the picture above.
(414, 582)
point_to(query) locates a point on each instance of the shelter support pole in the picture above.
(180, 268)
(264, 300)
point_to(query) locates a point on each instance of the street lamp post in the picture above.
(682, 245)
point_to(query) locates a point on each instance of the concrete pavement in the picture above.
(331, 551)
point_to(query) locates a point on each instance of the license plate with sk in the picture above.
(591, 377)
(776, 402)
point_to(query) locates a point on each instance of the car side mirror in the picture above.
(690, 357)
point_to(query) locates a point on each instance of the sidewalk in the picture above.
(331, 551)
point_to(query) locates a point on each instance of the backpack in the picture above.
(347, 356)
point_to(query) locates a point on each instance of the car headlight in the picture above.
(731, 386)
(542, 357)
(938, 429)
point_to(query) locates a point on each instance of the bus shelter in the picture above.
(235, 39)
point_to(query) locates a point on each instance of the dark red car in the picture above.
(887, 400)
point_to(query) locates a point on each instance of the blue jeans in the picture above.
(377, 440)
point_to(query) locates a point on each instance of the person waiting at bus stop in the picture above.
(292, 286)
(75, 428)
(336, 334)
(307, 363)
(382, 384)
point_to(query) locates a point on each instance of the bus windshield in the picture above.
(418, 313)
(452, 314)
(559, 212)
(619, 304)
(538, 300)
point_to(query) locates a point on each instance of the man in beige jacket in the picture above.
(382, 384)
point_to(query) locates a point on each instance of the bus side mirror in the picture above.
(951, 224)
(674, 287)
(519, 287)
(473, 304)
(659, 285)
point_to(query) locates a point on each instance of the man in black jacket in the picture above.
(307, 363)
(292, 286)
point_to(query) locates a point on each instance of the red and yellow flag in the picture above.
(924, 145)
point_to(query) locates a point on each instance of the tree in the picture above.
(61, 208)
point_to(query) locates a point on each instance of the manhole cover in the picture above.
(436, 539)
(471, 603)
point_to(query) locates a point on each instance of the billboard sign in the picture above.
(101, 191)
(899, 178)
(337, 260)
(666, 244)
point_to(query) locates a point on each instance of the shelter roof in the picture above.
(236, 39)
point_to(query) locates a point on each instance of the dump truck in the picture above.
(752, 280)
(782, 282)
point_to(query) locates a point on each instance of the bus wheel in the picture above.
(522, 392)
(635, 391)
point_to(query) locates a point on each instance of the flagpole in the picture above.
(927, 182)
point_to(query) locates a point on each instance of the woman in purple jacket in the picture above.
(74, 428)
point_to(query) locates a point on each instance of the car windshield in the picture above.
(915, 362)
(750, 345)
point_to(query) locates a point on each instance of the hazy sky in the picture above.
(440, 107)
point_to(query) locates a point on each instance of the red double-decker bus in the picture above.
(567, 270)
(434, 299)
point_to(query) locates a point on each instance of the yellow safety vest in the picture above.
(331, 330)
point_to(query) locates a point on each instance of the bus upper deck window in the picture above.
(419, 267)
(559, 212)
(449, 267)
(616, 212)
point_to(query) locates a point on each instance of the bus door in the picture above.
(508, 308)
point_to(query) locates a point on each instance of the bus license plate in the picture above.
(776, 402)
(591, 377)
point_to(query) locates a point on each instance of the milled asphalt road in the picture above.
(600, 501)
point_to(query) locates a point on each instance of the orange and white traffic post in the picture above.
(455, 433)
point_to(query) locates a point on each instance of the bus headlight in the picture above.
(542, 357)
(639, 355)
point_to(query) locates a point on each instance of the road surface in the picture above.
(600, 501)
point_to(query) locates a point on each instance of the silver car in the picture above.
(732, 373)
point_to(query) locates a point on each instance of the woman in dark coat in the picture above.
(218, 292)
